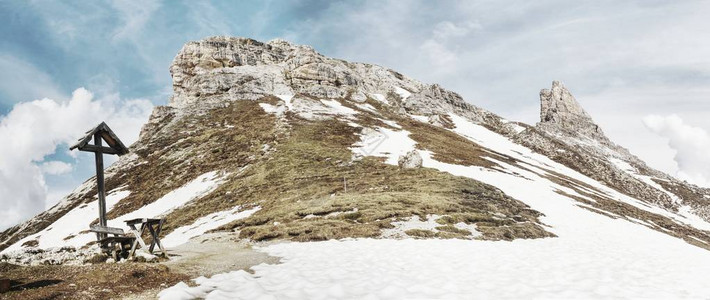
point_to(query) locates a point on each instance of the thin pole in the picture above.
(100, 181)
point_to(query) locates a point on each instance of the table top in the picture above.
(142, 220)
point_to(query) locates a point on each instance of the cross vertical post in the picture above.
(100, 181)
(101, 133)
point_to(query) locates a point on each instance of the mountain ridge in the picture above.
(280, 127)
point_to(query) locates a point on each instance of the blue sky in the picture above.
(624, 61)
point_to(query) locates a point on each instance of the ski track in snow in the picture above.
(594, 256)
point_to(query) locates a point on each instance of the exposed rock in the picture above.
(568, 135)
(441, 121)
(411, 160)
(222, 69)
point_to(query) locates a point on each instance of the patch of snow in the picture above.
(273, 109)
(391, 123)
(50, 256)
(145, 255)
(639, 221)
(338, 108)
(423, 119)
(380, 97)
(214, 220)
(65, 231)
(649, 180)
(367, 107)
(383, 142)
(622, 165)
(412, 222)
(692, 219)
(402, 93)
(462, 269)
(195, 189)
(517, 128)
(470, 227)
(699, 240)
(320, 109)
(287, 99)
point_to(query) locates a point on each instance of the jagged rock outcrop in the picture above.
(221, 69)
(227, 68)
(559, 110)
(567, 134)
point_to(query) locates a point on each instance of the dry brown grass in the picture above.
(301, 192)
(299, 183)
(101, 281)
(224, 138)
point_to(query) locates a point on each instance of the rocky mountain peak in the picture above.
(220, 69)
(560, 111)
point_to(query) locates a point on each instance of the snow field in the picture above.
(460, 269)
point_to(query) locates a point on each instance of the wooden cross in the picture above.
(101, 133)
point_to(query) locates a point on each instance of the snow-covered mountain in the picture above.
(278, 142)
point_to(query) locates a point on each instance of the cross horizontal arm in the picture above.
(94, 148)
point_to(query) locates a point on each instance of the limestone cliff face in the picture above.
(225, 67)
(221, 69)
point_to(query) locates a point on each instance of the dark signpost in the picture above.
(101, 133)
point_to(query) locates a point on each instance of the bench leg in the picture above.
(134, 245)
(157, 237)
(153, 242)
(138, 235)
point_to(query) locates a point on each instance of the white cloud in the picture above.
(33, 130)
(55, 167)
(692, 145)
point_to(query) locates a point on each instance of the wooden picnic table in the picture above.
(154, 226)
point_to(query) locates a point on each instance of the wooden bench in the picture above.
(117, 245)
(154, 227)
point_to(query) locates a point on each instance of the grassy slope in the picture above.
(300, 188)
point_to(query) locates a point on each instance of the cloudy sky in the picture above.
(640, 68)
